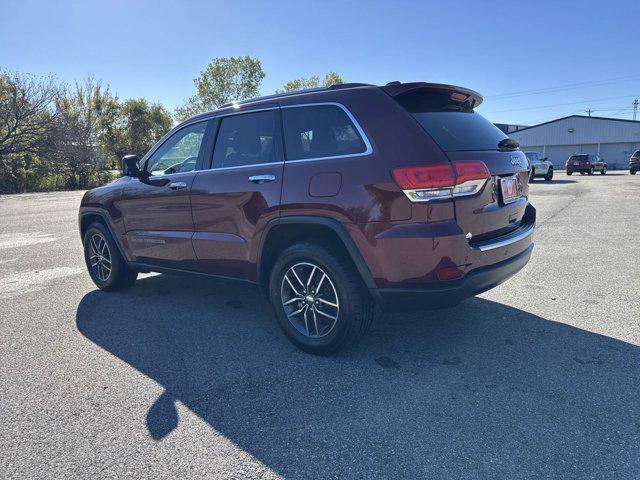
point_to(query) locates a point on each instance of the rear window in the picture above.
(579, 157)
(320, 131)
(454, 126)
(636, 154)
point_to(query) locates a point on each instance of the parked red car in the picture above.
(585, 163)
(332, 200)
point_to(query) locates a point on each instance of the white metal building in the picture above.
(612, 138)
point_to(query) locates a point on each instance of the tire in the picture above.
(604, 170)
(632, 172)
(591, 171)
(532, 176)
(549, 176)
(100, 246)
(569, 173)
(343, 323)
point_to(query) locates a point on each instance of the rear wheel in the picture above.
(318, 298)
(549, 176)
(632, 172)
(108, 270)
(604, 170)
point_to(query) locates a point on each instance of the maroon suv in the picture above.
(332, 200)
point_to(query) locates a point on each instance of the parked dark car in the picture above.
(332, 201)
(634, 162)
(586, 163)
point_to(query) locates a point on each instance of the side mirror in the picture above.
(130, 167)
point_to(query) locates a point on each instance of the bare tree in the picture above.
(27, 112)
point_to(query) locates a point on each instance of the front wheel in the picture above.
(107, 268)
(549, 176)
(318, 298)
(603, 171)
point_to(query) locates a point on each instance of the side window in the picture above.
(319, 131)
(179, 153)
(246, 139)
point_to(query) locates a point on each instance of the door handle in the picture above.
(259, 179)
(177, 185)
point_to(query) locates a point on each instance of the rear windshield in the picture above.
(453, 126)
(579, 157)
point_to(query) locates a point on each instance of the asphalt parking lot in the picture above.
(191, 378)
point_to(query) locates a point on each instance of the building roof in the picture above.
(579, 130)
(579, 116)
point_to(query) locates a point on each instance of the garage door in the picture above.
(617, 154)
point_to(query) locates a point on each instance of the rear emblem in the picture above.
(468, 236)
(515, 160)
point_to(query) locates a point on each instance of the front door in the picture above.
(157, 211)
(234, 199)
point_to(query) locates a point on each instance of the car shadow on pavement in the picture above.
(479, 390)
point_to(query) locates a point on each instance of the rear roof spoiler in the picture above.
(473, 98)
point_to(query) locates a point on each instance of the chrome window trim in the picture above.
(363, 136)
(238, 167)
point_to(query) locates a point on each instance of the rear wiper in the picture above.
(508, 144)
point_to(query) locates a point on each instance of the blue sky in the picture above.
(588, 51)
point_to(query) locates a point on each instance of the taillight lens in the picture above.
(441, 181)
(430, 176)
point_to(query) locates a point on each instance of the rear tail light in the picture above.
(441, 181)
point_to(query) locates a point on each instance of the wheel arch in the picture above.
(89, 216)
(282, 232)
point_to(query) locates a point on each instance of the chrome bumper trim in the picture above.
(508, 239)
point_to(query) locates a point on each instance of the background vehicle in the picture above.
(540, 167)
(327, 208)
(634, 162)
(586, 163)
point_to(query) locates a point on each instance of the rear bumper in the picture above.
(450, 293)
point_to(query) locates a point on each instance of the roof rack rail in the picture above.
(336, 86)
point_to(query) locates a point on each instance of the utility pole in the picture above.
(588, 110)
(635, 108)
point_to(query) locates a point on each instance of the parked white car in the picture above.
(540, 167)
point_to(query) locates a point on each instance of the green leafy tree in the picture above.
(83, 111)
(223, 80)
(137, 126)
(302, 83)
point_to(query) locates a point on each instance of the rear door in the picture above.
(464, 134)
(157, 211)
(239, 192)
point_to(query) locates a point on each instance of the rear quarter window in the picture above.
(319, 131)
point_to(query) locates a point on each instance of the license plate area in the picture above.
(509, 189)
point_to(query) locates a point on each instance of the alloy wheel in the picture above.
(310, 299)
(100, 257)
